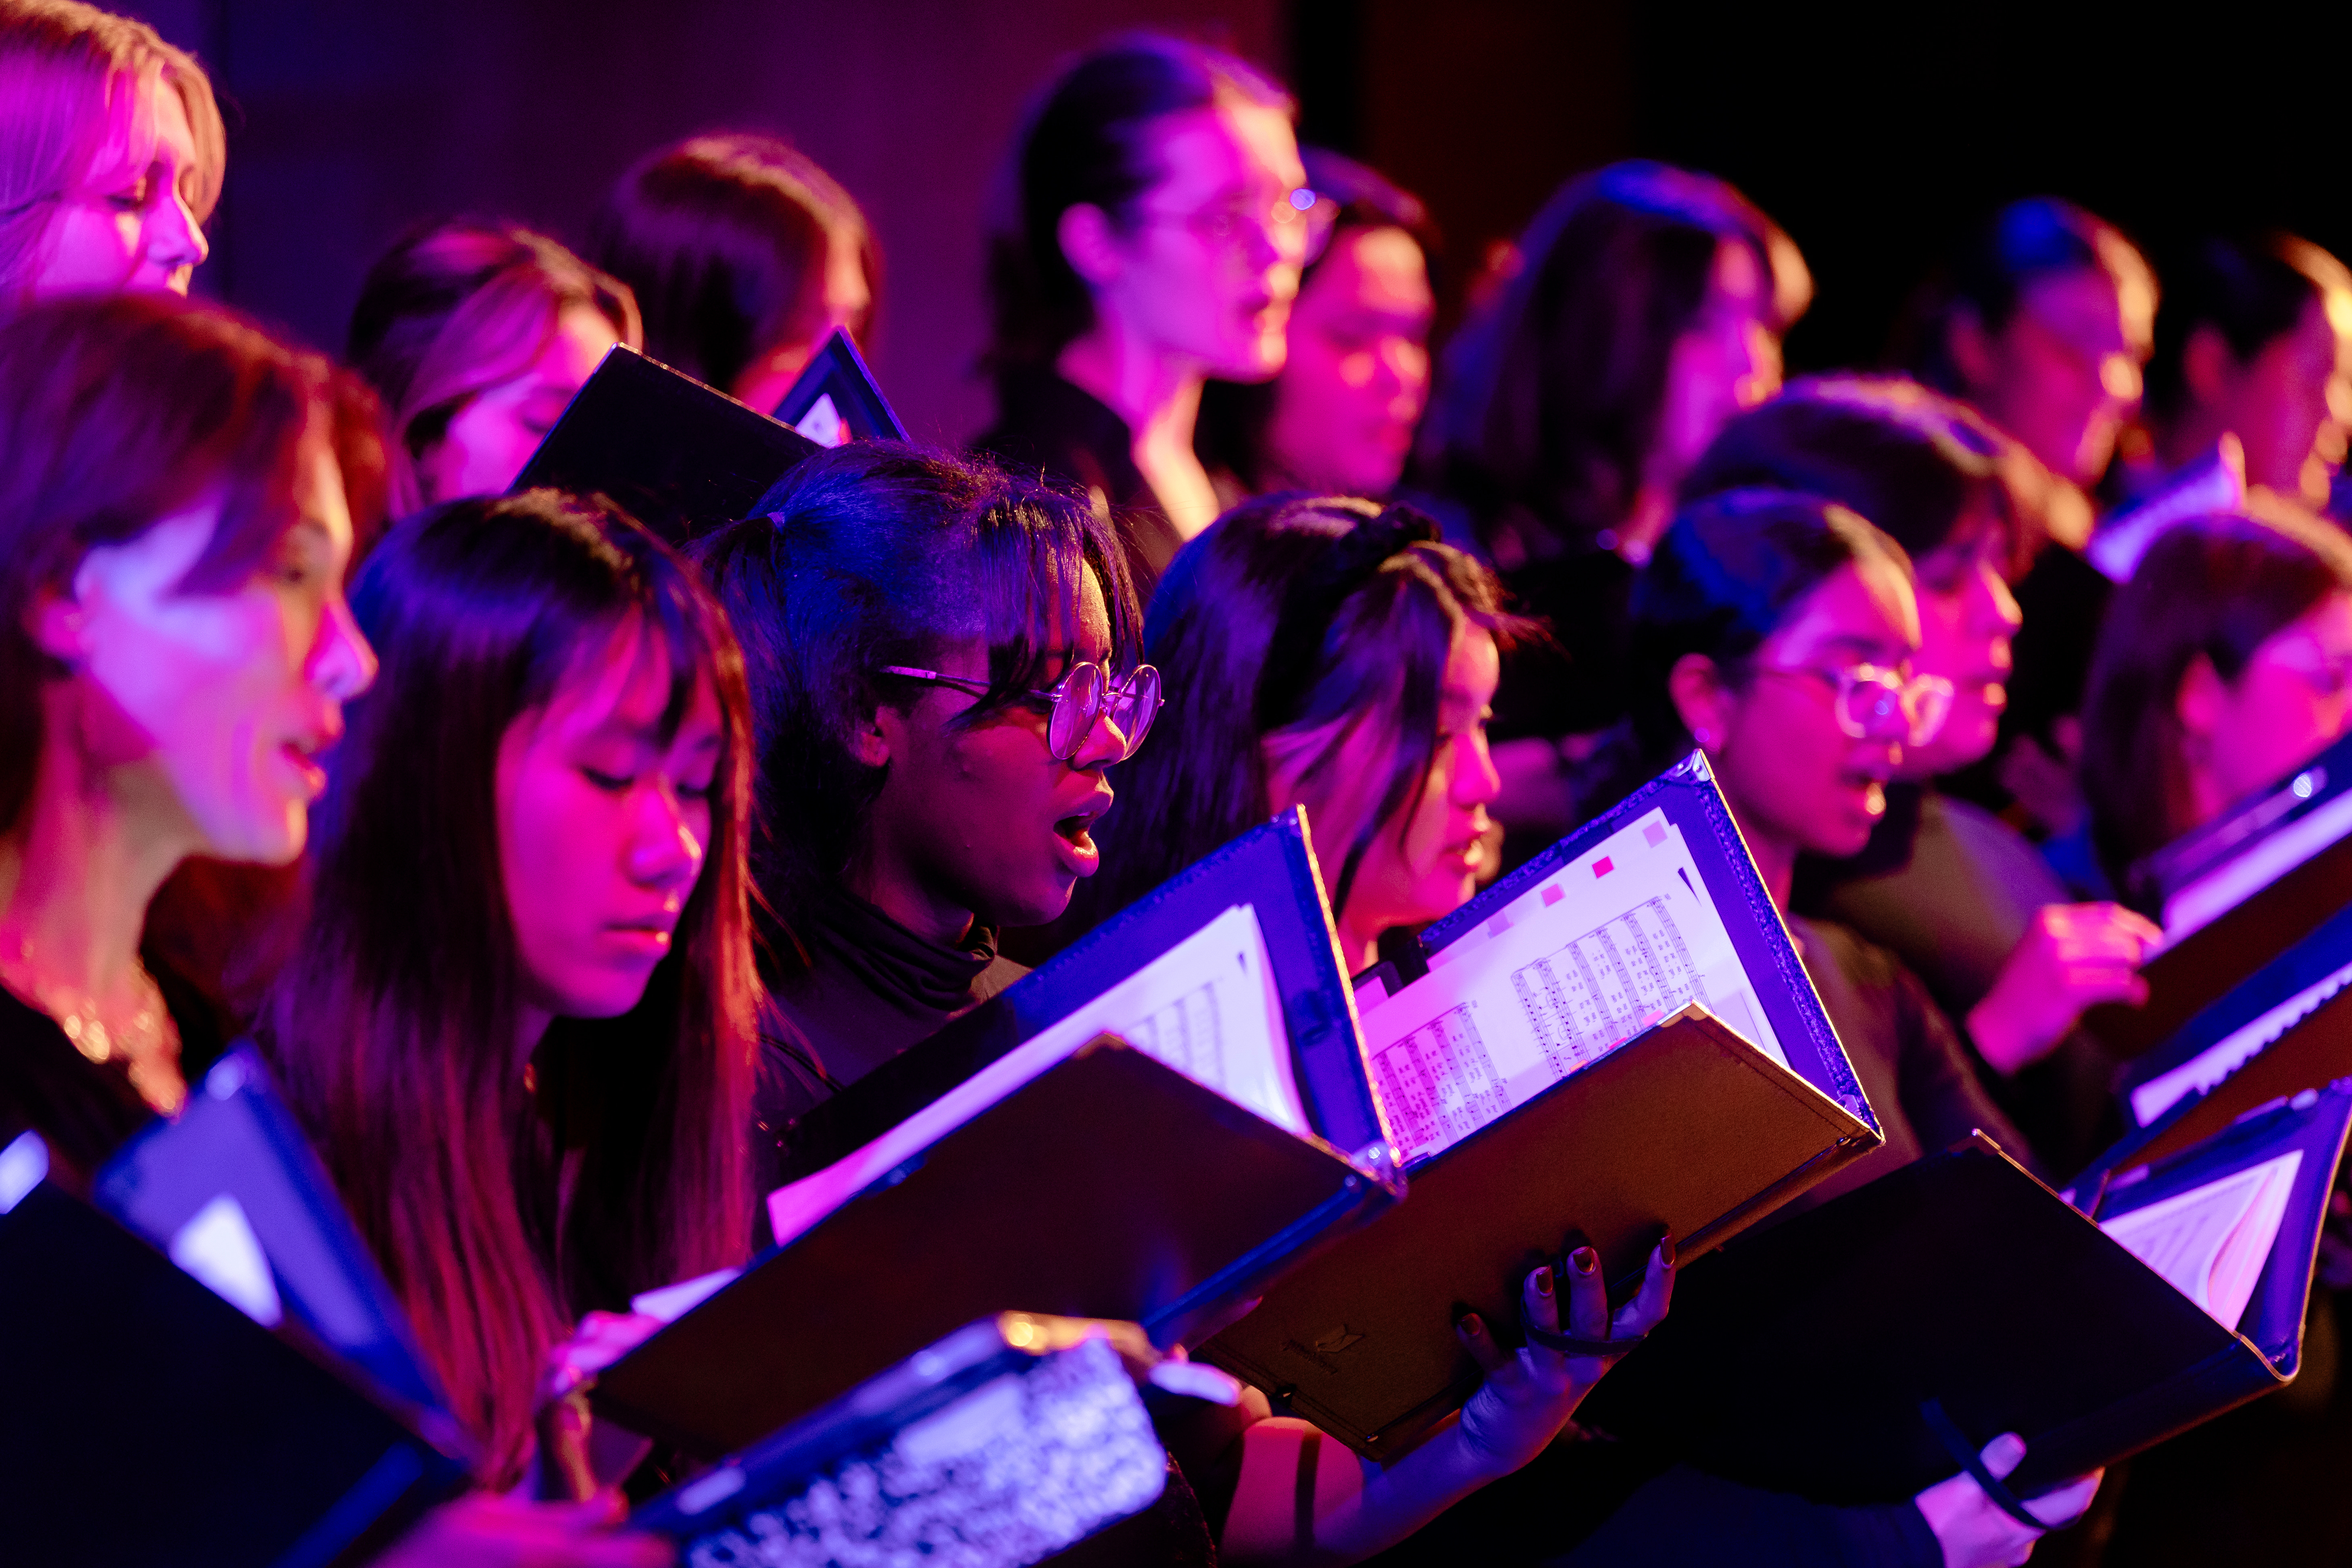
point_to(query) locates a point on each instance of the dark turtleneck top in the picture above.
(870, 988)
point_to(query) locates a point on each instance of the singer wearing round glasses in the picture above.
(943, 661)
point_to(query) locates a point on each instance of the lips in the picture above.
(1074, 836)
(302, 758)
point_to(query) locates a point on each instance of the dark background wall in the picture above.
(1872, 139)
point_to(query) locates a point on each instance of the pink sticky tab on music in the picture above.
(1653, 834)
(1602, 866)
(1553, 895)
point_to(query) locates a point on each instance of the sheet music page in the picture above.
(1605, 947)
(2234, 1049)
(1207, 1008)
(2210, 1242)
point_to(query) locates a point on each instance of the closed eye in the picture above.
(610, 783)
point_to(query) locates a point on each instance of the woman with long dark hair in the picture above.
(744, 256)
(175, 651)
(1151, 222)
(520, 1024)
(1319, 651)
(476, 336)
(1340, 419)
(111, 151)
(1648, 310)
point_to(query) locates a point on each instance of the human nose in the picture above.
(1103, 743)
(1477, 781)
(341, 663)
(173, 237)
(2120, 377)
(1997, 604)
(666, 848)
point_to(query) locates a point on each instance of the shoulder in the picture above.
(82, 1109)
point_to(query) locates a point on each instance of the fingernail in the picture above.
(1584, 1260)
(1666, 1249)
(1471, 1325)
(1543, 1281)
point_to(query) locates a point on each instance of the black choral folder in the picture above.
(143, 1419)
(2235, 895)
(682, 457)
(1613, 953)
(2285, 1029)
(1107, 1186)
(1820, 1357)
(1270, 869)
(836, 399)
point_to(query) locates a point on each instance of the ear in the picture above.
(1089, 243)
(2206, 362)
(59, 626)
(1701, 698)
(869, 741)
(2199, 701)
(1969, 345)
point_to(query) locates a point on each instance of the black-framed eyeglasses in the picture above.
(1085, 697)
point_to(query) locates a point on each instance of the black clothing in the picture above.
(1950, 889)
(1046, 426)
(2063, 600)
(84, 1109)
(870, 989)
(1912, 1066)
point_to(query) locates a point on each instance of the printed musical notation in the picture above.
(1185, 1036)
(1438, 1084)
(1608, 984)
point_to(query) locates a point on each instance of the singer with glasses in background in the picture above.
(1150, 226)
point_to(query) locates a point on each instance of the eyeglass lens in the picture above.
(1086, 698)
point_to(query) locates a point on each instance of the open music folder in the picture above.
(682, 457)
(1264, 892)
(836, 399)
(1096, 1182)
(1621, 1038)
(996, 1446)
(2235, 895)
(1854, 1353)
(148, 1417)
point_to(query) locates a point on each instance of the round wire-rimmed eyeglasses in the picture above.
(1874, 703)
(1085, 697)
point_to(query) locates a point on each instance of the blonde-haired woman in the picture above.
(477, 335)
(112, 154)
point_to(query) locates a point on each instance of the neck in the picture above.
(532, 1023)
(904, 899)
(1157, 395)
(94, 843)
(2187, 437)
(1360, 948)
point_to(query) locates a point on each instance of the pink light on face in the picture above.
(604, 825)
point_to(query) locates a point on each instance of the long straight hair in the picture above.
(1203, 778)
(393, 1026)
